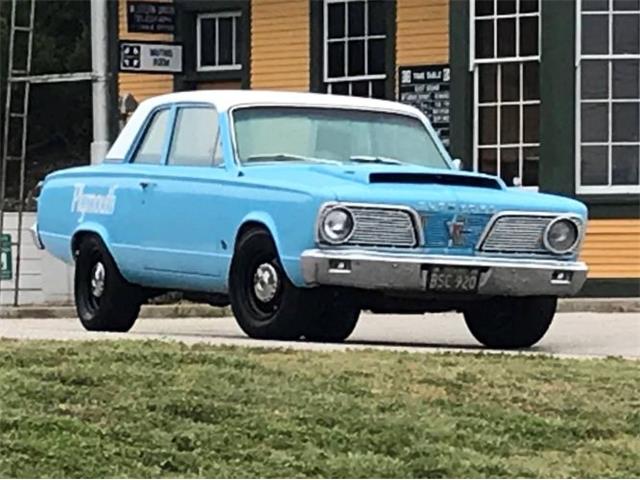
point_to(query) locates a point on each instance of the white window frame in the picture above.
(599, 189)
(235, 16)
(329, 81)
(474, 63)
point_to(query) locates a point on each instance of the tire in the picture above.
(263, 300)
(511, 322)
(105, 301)
(336, 320)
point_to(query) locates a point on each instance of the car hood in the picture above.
(423, 188)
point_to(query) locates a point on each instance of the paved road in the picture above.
(571, 334)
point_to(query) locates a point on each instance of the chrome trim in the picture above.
(577, 219)
(391, 271)
(545, 235)
(413, 214)
(35, 236)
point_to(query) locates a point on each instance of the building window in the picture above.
(217, 41)
(505, 59)
(608, 96)
(354, 45)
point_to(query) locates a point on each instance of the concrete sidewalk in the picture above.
(187, 310)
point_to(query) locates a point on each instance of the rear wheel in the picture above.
(105, 301)
(335, 320)
(511, 322)
(265, 303)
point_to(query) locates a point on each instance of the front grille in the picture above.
(382, 227)
(517, 234)
(436, 229)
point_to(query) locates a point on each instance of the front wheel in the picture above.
(335, 319)
(511, 322)
(105, 301)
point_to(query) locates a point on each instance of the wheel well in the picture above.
(248, 226)
(77, 239)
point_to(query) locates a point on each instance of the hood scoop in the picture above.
(437, 178)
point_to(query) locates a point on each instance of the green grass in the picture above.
(108, 409)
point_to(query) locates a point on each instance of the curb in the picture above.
(186, 310)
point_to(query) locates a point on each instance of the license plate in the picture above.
(453, 279)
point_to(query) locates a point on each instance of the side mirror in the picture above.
(457, 164)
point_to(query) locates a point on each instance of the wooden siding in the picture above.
(612, 248)
(141, 85)
(280, 44)
(422, 35)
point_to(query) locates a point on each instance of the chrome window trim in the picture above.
(576, 219)
(328, 206)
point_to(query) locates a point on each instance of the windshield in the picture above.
(322, 135)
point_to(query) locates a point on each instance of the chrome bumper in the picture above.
(385, 271)
(35, 236)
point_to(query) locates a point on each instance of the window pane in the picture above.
(356, 57)
(340, 88)
(484, 39)
(225, 39)
(509, 165)
(625, 163)
(488, 82)
(356, 19)
(531, 160)
(531, 80)
(509, 124)
(378, 90)
(207, 42)
(484, 7)
(528, 36)
(377, 23)
(531, 127)
(594, 122)
(594, 79)
(510, 81)
(360, 89)
(595, 34)
(506, 37)
(626, 34)
(626, 78)
(488, 125)
(487, 161)
(626, 123)
(626, 4)
(336, 59)
(376, 56)
(150, 150)
(595, 5)
(336, 20)
(195, 136)
(594, 168)
(529, 6)
(506, 7)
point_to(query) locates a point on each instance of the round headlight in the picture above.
(561, 235)
(337, 225)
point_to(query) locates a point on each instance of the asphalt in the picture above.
(574, 334)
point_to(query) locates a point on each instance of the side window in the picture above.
(150, 149)
(195, 138)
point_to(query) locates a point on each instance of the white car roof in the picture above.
(224, 100)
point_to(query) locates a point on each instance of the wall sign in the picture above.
(6, 272)
(150, 57)
(151, 17)
(427, 87)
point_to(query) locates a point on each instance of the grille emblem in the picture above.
(457, 231)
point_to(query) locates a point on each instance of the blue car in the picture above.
(300, 211)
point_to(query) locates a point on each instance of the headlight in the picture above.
(337, 225)
(561, 235)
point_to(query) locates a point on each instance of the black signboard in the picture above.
(427, 87)
(151, 17)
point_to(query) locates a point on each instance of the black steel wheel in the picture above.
(105, 301)
(265, 303)
(511, 322)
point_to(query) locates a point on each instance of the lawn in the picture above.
(133, 409)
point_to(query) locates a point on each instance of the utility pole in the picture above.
(100, 86)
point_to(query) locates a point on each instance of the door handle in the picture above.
(145, 184)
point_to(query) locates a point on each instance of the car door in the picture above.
(185, 201)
